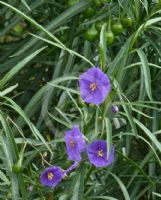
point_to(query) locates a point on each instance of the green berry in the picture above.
(91, 34)
(109, 37)
(98, 3)
(90, 12)
(126, 22)
(81, 102)
(117, 28)
(106, 1)
(72, 2)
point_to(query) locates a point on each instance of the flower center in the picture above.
(50, 175)
(100, 153)
(72, 144)
(92, 87)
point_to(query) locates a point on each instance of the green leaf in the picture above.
(149, 134)
(4, 178)
(9, 163)
(8, 90)
(138, 168)
(156, 194)
(122, 186)
(62, 47)
(103, 197)
(117, 65)
(13, 151)
(48, 33)
(79, 185)
(108, 135)
(67, 125)
(102, 46)
(152, 21)
(32, 21)
(146, 72)
(9, 75)
(10, 137)
(26, 5)
(34, 103)
(34, 130)
(127, 108)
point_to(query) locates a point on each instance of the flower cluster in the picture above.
(75, 145)
(96, 151)
(94, 88)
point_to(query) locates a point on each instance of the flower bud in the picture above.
(114, 109)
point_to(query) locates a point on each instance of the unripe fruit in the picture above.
(109, 37)
(117, 28)
(81, 102)
(72, 2)
(98, 3)
(106, 1)
(91, 34)
(126, 22)
(90, 12)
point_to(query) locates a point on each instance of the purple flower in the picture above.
(51, 176)
(114, 109)
(97, 153)
(75, 143)
(94, 86)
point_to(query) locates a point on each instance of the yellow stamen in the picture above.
(93, 86)
(50, 175)
(72, 144)
(100, 153)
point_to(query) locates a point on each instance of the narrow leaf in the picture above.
(122, 186)
(146, 72)
(108, 135)
(102, 46)
(18, 67)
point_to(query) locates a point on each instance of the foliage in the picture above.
(43, 49)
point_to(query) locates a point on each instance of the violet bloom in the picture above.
(75, 143)
(51, 176)
(94, 86)
(97, 153)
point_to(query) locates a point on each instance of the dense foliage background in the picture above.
(44, 46)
